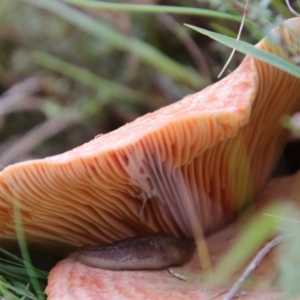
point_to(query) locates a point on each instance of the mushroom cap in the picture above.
(70, 279)
(194, 163)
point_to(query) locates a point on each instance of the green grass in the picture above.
(15, 281)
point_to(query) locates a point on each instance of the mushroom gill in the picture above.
(207, 155)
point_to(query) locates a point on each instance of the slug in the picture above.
(152, 252)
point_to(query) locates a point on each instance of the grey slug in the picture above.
(151, 252)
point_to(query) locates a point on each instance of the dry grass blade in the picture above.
(34, 137)
(12, 103)
(188, 42)
(238, 37)
(292, 10)
(252, 266)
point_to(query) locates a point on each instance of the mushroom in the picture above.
(70, 279)
(195, 163)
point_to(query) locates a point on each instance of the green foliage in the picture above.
(14, 280)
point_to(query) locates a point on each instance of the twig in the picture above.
(252, 266)
(177, 275)
(12, 103)
(291, 8)
(189, 44)
(35, 136)
(238, 37)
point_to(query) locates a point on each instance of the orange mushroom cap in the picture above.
(72, 279)
(206, 155)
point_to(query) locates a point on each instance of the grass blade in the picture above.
(246, 48)
(143, 8)
(23, 247)
(86, 77)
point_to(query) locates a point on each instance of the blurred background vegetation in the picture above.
(70, 72)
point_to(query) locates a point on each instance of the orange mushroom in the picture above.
(72, 279)
(195, 163)
(206, 155)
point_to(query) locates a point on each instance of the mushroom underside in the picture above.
(194, 164)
